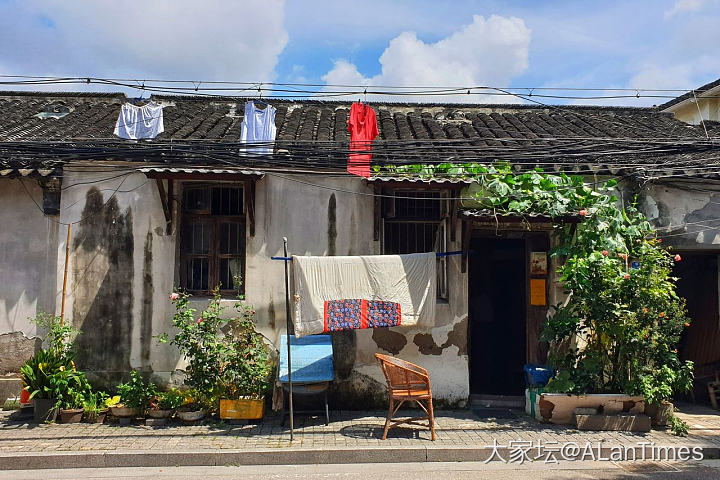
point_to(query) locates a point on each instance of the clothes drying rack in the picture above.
(286, 258)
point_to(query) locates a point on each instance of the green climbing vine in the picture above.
(619, 328)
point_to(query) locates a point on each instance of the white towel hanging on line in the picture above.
(136, 123)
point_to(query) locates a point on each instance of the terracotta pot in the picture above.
(191, 416)
(45, 410)
(659, 413)
(71, 415)
(159, 413)
(124, 412)
(95, 417)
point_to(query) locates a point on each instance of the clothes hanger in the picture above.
(260, 100)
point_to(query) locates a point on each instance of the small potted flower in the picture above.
(97, 405)
(194, 407)
(72, 406)
(134, 397)
(163, 404)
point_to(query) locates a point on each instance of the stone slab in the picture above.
(617, 423)
(155, 422)
(10, 387)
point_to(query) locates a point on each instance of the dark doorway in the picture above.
(698, 284)
(496, 297)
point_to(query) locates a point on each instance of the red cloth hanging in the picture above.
(362, 125)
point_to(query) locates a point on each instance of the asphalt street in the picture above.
(706, 470)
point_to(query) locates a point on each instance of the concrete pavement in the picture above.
(351, 438)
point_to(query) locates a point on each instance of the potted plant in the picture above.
(618, 331)
(227, 358)
(72, 406)
(134, 397)
(97, 405)
(163, 404)
(245, 371)
(194, 407)
(51, 372)
(41, 375)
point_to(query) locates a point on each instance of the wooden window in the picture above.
(212, 242)
(416, 222)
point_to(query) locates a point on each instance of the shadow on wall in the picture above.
(102, 285)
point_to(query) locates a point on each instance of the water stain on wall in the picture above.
(102, 286)
(332, 225)
(344, 349)
(147, 305)
(457, 336)
(389, 340)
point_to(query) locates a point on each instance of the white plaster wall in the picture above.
(139, 195)
(686, 213)
(296, 208)
(28, 240)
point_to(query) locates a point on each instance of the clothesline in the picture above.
(439, 254)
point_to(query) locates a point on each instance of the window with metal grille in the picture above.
(415, 222)
(212, 242)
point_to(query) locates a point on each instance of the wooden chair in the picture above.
(406, 382)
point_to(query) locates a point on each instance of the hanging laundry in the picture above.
(258, 125)
(346, 293)
(136, 123)
(362, 125)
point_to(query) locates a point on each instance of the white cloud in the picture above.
(487, 52)
(684, 6)
(183, 39)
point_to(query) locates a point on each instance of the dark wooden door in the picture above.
(497, 312)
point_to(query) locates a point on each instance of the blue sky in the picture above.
(638, 44)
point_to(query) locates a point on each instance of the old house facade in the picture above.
(192, 209)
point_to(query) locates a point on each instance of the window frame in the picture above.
(215, 221)
(441, 234)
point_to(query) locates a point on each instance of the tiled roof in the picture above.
(416, 132)
(696, 92)
(219, 118)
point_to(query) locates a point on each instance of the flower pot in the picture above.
(45, 410)
(659, 413)
(242, 408)
(159, 413)
(124, 412)
(191, 416)
(71, 415)
(96, 416)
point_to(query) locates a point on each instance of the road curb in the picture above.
(271, 456)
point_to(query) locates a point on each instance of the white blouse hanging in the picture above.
(258, 125)
(136, 123)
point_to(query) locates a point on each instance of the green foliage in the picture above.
(169, 400)
(47, 375)
(40, 374)
(95, 402)
(678, 427)
(226, 357)
(619, 329)
(135, 393)
(59, 336)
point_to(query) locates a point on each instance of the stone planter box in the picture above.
(559, 408)
(617, 423)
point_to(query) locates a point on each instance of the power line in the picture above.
(309, 90)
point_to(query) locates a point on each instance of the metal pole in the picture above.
(64, 290)
(287, 326)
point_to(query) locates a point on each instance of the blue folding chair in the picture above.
(312, 368)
